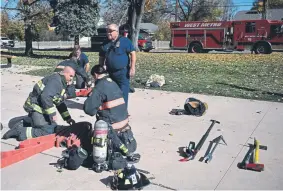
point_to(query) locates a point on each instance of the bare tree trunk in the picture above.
(77, 40)
(135, 13)
(28, 39)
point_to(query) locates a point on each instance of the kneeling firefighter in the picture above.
(111, 129)
(47, 95)
(73, 63)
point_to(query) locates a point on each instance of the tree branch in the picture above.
(183, 11)
(9, 8)
(33, 2)
(40, 13)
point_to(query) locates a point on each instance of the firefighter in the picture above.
(119, 56)
(73, 63)
(47, 95)
(107, 103)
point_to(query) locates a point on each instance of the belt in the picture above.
(120, 125)
(112, 103)
(123, 129)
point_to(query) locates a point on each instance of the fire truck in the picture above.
(259, 36)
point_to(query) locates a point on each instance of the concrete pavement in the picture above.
(159, 136)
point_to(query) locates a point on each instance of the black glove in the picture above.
(71, 121)
(88, 82)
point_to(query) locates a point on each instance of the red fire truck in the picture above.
(259, 36)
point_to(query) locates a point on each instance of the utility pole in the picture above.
(176, 11)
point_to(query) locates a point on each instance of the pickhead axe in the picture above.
(192, 150)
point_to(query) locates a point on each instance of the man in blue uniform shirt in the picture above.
(119, 57)
(83, 62)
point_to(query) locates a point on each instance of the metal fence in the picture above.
(70, 44)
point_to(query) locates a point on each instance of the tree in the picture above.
(271, 4)
(30, 11)
(199, 10)
(163, 32)
(116, 12)
(4, 22)
(155, 11)
(16, 30)
(275, 4)
(75, 17)
(135, 13)
(229, 10)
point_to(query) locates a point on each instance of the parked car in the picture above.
(5, 41)
(145, 43)
(144, 40)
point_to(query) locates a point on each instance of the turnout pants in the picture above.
(37, 125)
(123, 140)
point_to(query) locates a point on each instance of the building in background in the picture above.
(271, 14)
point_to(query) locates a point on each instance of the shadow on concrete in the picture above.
(251, 89)
(74, 105)
(107, 181)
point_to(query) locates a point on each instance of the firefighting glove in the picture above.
(71, 121)
(88, 82)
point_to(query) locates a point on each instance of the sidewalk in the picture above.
(159, 135)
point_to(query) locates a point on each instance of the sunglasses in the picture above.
(110, 30)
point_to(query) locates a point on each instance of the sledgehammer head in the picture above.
(252, 166)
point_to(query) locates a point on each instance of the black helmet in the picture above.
(129, 179)
(195, 107)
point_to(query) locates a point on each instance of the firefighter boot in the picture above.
(18, 132)
(12, 133)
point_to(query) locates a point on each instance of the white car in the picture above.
(5, 41)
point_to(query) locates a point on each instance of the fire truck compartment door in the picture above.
(179, 39)
(214, 38)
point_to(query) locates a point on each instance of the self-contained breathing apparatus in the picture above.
(105, 143)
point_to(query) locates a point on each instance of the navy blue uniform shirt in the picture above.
(117, 54)
(83, 59)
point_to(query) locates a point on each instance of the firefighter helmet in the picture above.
(195, 107)
(129, 179)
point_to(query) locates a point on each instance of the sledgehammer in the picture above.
(255, 166)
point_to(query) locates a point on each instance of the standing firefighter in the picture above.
(107, 103)
(47, 95)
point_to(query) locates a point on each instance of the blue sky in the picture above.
(241, 4)
(246, 4)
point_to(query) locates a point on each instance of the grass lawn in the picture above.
(234, 75)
